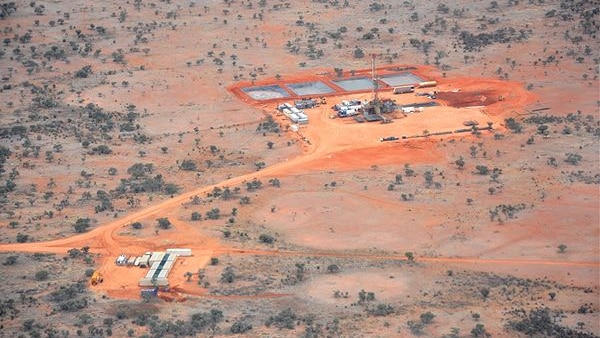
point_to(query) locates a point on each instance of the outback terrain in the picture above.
(125, 128)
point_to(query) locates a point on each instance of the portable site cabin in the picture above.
(290, 115)
(121, 260)
(180, 252)
(156, 256)
(302, 120)
(404, 89)
(145, 260)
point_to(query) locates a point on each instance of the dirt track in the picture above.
(327, 149)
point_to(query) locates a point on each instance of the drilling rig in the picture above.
(376, 107)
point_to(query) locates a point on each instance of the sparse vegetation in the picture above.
(107, 111)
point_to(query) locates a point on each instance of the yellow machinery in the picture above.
(97, 277)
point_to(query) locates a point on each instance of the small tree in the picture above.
(275, 182)
(270, 145)
(136, 225)
(188, 276)
(333, 268)
(188, 165)
(164, 223)
(240, 327)
(573, 158)
(427, 317)
(10, 260)
(513, 125)
(214, 213)
(460, 163)
(562, 248)
(398, 179)
(81, 225)
(410, 256)
(358, 53)
(196, 216)
(482, 169)
(22, 238)
(228, 276)
(265, 238)
(41, 275)
(479, 331)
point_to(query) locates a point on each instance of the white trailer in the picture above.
(404, 89)
(180, 252)
(156, 257)
(145, 260)
(302, 116)
(121, 260)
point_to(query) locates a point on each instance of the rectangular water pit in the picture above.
(310, 88)
(266, 92)
(401, 79)
(350, 85)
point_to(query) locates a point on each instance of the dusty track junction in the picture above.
(340, 203)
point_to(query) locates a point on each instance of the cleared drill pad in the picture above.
(310, 88)
(266, 92)
(361, 83)
(401, 79)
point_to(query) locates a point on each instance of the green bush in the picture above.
(264, 238)
(42, 275)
